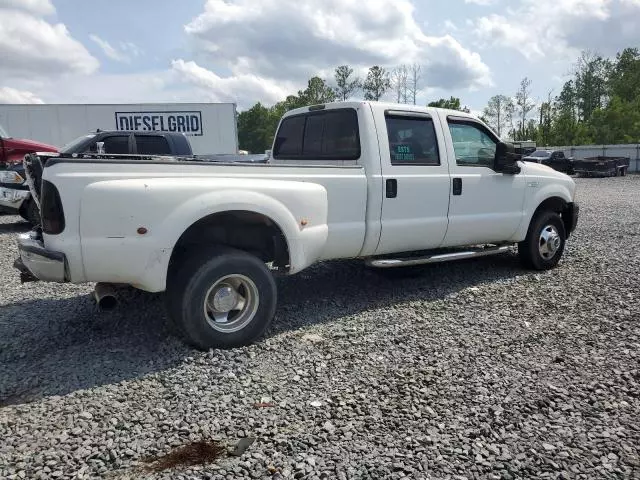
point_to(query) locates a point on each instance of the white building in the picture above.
(211, 127)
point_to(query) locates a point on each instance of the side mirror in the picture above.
(506, 159)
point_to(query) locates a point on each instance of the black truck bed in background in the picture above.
(601, 166)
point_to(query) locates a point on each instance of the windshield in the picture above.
(71, 147)
(541, 153)
(3, 133)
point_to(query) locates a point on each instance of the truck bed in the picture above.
(124, 192)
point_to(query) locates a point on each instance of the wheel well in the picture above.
(243, 230)
(558, 205)
(553, 204)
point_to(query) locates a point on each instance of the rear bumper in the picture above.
(13, 198)
(44, 264)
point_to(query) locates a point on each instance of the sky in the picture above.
(245, 51)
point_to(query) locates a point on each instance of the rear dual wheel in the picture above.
(221, 298)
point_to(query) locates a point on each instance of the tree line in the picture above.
(257, 125)
(599, 104)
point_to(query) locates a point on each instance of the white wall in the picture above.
(59, 124)
(584, 151)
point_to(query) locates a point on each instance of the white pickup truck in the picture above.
(395, 185)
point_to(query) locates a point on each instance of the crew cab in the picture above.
(395, 185)
(14, 190)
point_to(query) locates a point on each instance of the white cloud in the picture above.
(12, 95)
(561, 28)
(484, 3)
(449, 25)
(37, 7)
(242, 89)
(108, 50)
(150, 86)
(131, 49)
(127, 51)
(289, 40)
(184, 82)
(31, 46)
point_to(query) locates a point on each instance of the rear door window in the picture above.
(152, 145)
(325, 135)
(412, 140)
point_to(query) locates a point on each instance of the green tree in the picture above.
(347, 85)
(376, 84)
(317, 91)
(624, 78)
(256, 129)
(452, 103)
(564, 122)
(590, 84)
(544, 125)
(619, 122)
(498, 113)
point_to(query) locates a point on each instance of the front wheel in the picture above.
(222, 298)
(544, 245)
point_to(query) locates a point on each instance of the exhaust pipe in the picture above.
(105, 296)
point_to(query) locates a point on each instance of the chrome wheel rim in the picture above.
(231, 303)
(549, 242)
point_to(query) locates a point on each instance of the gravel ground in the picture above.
(474, 370)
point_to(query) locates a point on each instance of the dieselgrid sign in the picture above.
(189, 123)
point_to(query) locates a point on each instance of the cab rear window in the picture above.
(325, 135)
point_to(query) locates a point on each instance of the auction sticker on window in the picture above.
(403, 153)
(189, 123)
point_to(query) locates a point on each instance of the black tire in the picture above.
(623, 172)
(30, 212)
(546, 228)
(191, 283)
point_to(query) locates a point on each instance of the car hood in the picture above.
(539, 169)
(534, 159)
(545, 174)
(24, 144)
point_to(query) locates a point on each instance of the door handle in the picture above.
(392, 188)
(457, 186)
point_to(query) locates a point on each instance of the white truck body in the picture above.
(211, 127)
(377, 204)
